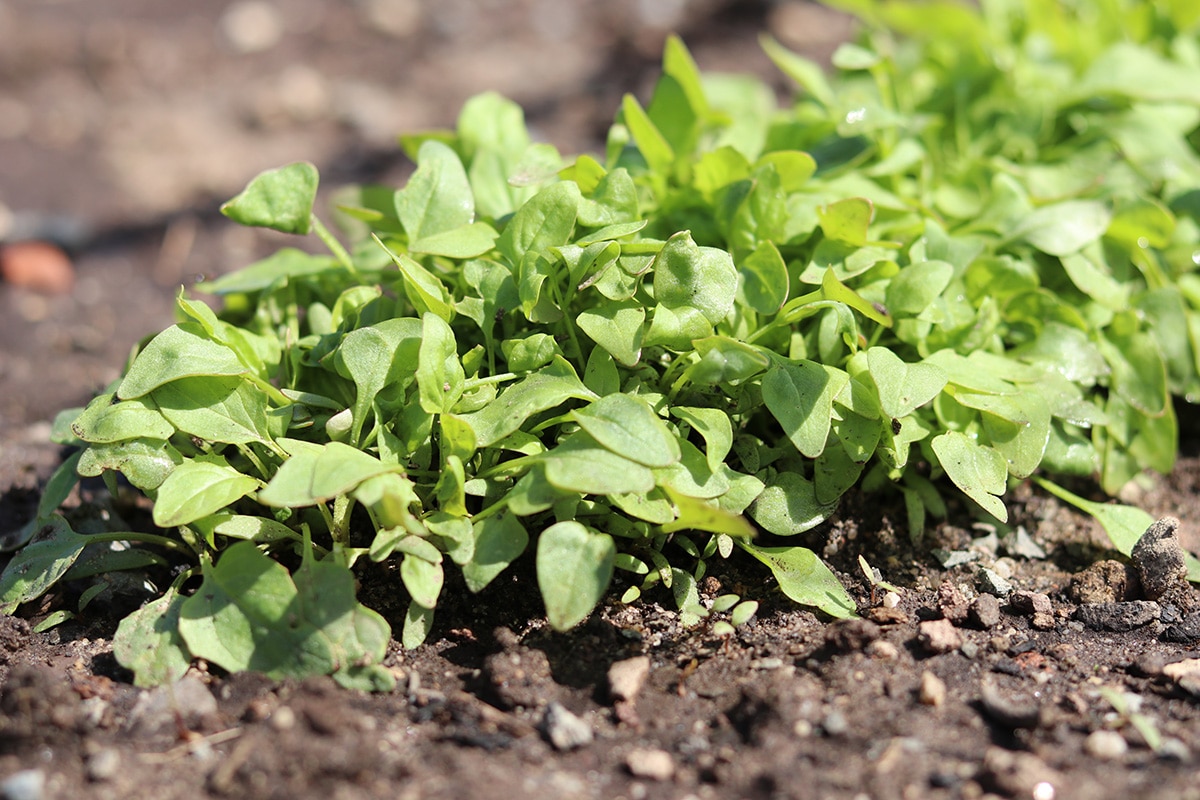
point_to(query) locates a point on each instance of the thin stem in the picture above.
(143, 538)
(334, 245)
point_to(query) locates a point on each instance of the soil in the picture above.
(124, 123)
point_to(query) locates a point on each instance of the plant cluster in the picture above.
(968, 254)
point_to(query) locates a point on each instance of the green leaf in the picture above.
(180, 351)
(764, 279)
(574, 568)
(145, 463)
(903, 388)
(628, 427)
(1061, 229)
(437, 198)
(376, 356)
(197, 489)
(581, 464)
(105, 421)
(499, 540)
(846, 221)
(804, 579)
(807, 73)
(714, 426)
(788, 505)
(688, 276)
(654, 147)
(545, 221)
(979, 471)
(280, 199)
(468, 241)
(618, 327)
(315, 474)
(725, 360)
(215, 409)
(542, 390)
(799, 395)
(148, 642)
(917, 286)
(440, 376)
(51, 551)
(1017, 426)
(423, 579)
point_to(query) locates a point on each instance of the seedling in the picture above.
(965, 255)
(874, 578)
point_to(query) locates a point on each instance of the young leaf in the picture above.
(574, 568)
(181, 351)
(149, 644)
(804, 578)
(800, 397)
(48, 555)
(628, 427)
(499, 540)
(979, 471)
(197, 489)
(280, 199)
(437, 197)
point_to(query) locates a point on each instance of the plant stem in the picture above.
(334, 245)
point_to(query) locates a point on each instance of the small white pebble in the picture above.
(1106, 745)
(891, 600)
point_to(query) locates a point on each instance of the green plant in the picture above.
(969, 254)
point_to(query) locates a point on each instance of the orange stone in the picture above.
(39, 266)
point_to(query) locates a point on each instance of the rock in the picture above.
(38, 266)
(1185, 631)
(187, 701)
(626, 678)
(103, 765)
(851, 635)
(951, 602)
(1106, 581)
(938, 636)
(564, 730)
(835, 723)
(1106, 745)
(27, 784)
(1009, 709)
(1023, 545)
(985, 611)
(1118, 617)
(990, 582)
(883, 650)
(1029, 603)
(1186, 675)
(932, 690)
(650, 763)
(883, 615)
(891, 600)
(1017, 774)
(1158, 559)
(396, 18)
(252, 26)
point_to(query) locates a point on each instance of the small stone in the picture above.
(103, 765)
(1019, 774)
(1150, 664)
(1173, 749)
(990, 582)
(887, 616)
(187, 701)
(1159, 559)
(1043, 621)
(1023, 545)
(626, 678)
(932, 690)
(985, 611)
(252, 26)
(939, 636)
(969, 649)
(1106, 745)
(891, 600)
(564, 730)
(883, 650)
(835, 723)
(650, 763)
(283, 719)
(38, 266)
(1186, 674)
(1185, 631)
(1118, 617)
(1008, 709)
(1004, 567)
(28, 784)
(1106, 581)
(1029, 603)
(951, 602)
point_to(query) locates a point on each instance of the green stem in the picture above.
(472, 383)
(334, 245)
(143, 538)
(641, 248)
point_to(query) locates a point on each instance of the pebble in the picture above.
(883, 650)
(252, 26)
(985, 611)
(1030, 603)
(1011, 710)
(103, 765)
(1106, 581)
(1186, 674)
(38, 266)
(1158, 559)
(626, 678)
(990, 582)
(1118, 617)
(835, 723)
(188, 701)
(939, 636)
(1106, 745)
(891, 600)
(1020, 774)
(28, 784)
(951, 602)
(398, 19)
(650, 763)
(564, 730)
(932, 690)
(1185, 631)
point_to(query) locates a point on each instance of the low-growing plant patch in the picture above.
(967, 255)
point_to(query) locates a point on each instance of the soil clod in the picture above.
(1118, 617)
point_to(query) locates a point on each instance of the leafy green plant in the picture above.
(970, 254)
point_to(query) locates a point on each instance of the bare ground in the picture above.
(123, 122)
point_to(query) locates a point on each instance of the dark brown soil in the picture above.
(124, 122)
